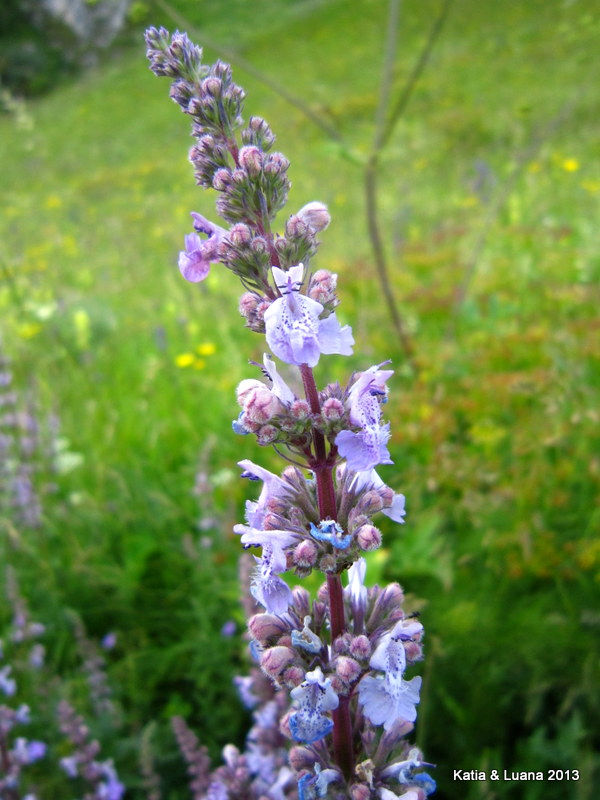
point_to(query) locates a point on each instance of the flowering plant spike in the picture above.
(331, 704)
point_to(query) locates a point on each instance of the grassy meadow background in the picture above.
(489, 201)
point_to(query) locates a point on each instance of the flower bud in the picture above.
(414, 651)
(211, 86)
(315, 215)
(221, 179)
(302, 758)
(370, 503)
(347, 669)
(245, 387)
(267, 434)
(360, 791)
(305, 554)
(322, 286)
(263, 627)
(332, 409)
(342, 643)
(260, 404)
(360, 647)
(274, 660)
(387, 495)
(260, 310)
(240, 235)
(300, 409)
(259, 245)
(327, 563)
(247, 305)
(301, 601)
(251, 159)
(368, 537)
(293, 676)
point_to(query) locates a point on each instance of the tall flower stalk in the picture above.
(331, 703)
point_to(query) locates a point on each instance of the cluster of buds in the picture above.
(334, 720)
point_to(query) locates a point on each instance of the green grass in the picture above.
(495, 443)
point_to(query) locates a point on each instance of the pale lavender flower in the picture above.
(7, 685)
(311, 787)
(366, 448)
(294, 331)
(389, 698)
(195, 260)
(274, 488)
(314, 696)
(396, 511)
(267, 587)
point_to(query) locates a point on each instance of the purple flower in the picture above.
(314, 696)
(7, 685)
(311, 787)
(370, 478)
(280, 388)
(356, 589)
(274, 488)
(195, 260)
(389, 698)
(268, 588)
(366, 448)
(294, 331)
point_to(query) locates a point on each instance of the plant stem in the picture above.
(343, 748)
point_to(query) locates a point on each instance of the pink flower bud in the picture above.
(347, 669)
(261, 309)
(305, 554)
(260, 404)
(240, 235)
(387, 495)
(251, 159)
(333, 409)
(293, 676)
(247, 304)
(259, 245)
(414, 651)
(300, 409)
(360, 647)
(301, 601)
(274, 660)
(360, 791)
(211, 86)
(302, 758)
(221, 179)
(368, 537)
(342, 643)
(327, 563)
(370, 503)
(266, 626)
(245, 387)
(267, 434)
(315, 215)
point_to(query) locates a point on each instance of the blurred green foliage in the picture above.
(492, 185)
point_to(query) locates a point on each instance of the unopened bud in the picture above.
(221, 179)
(302, 758)
(240, 235)
(247, 304)
(327, 563)
(300, 409)
(293, 676)
(332, 409)
(347, 669)
(251, 159)
(370, 503)
(301, 601)
(360, 791)
(322, 286)
(368, 537)
(315, 215)
(414, 651)
(360, 647)
(267, 434)
(266, 626)
(260, 404)
(342, 643)
(245, 387)
(305, 554)
(260, 310)
(274, 660)
(211, 86)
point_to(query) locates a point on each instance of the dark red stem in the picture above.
(323, 468)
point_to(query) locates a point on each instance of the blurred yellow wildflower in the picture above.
(591, 186)
(570, 165)
(185, 360)
(53, 201)
(206, 349)
(29, 329)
